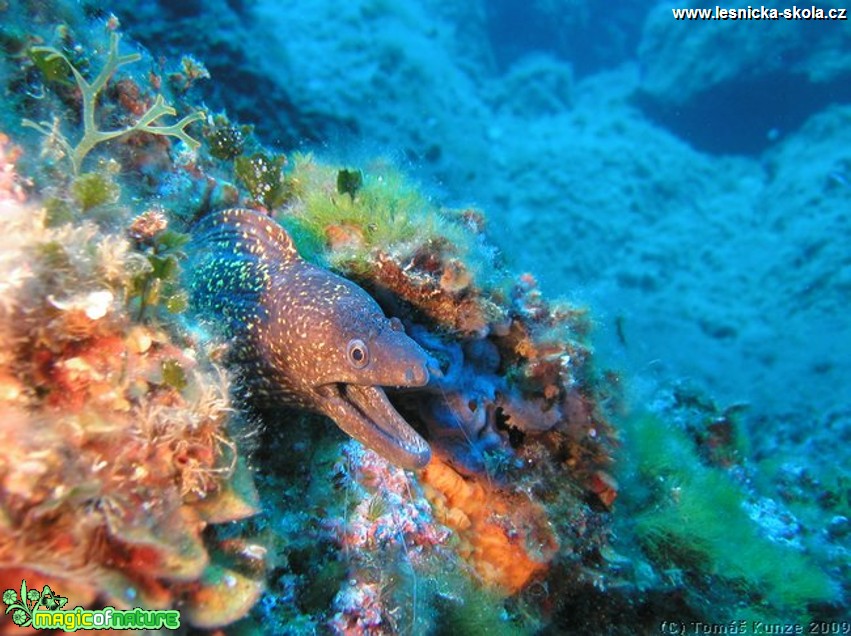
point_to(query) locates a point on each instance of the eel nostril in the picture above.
(421, 374)
(416, 375)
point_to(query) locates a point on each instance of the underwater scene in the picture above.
(425, 317)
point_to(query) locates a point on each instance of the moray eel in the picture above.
(304, 336)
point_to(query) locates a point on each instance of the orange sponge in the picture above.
(506, 537)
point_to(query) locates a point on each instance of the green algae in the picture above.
(226, 140)
(174, 375)
(49, 59)
(57, 212)
(386, 210)
(692, 516)
(471, 610)
(53, 67)
(343, 215)
(159, 285)
(349, 181)
(93, 189)
(263, 176)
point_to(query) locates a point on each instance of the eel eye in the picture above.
(358, 353)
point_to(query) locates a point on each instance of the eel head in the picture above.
(363, 352)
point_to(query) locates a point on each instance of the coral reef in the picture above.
(111, 370)
(131, 477)
(116, 450)
(119, 451)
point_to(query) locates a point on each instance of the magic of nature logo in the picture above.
(45, 610)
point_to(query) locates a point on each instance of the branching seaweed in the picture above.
(90, 91)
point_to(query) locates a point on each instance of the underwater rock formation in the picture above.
(733, 69)
(105, 337)
(513, 416)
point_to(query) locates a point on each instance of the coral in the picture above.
(421, 282)
(90, 91)
(11, 188)
(513, 513)
(191, 71)
(125, 478)
(519, 496)
(117, 452)
(390, 530)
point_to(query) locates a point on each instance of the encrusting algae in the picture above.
(116, 448)
(505, 536)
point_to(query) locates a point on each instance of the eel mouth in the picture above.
(365, 413)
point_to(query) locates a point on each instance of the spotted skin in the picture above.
(304, 336)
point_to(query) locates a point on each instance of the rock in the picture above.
(761, 77)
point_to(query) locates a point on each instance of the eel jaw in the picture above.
(365, 413)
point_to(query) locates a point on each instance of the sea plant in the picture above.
(695, 512)
(92, 135)
(263, 177)
(226, 140)
(346, 213)
(349, 181)
(159, 284)
(92, 189)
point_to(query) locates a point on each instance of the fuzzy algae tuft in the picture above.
(120, 459)
(692, 514)
(115, 432)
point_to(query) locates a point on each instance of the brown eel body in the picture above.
(304, 336)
